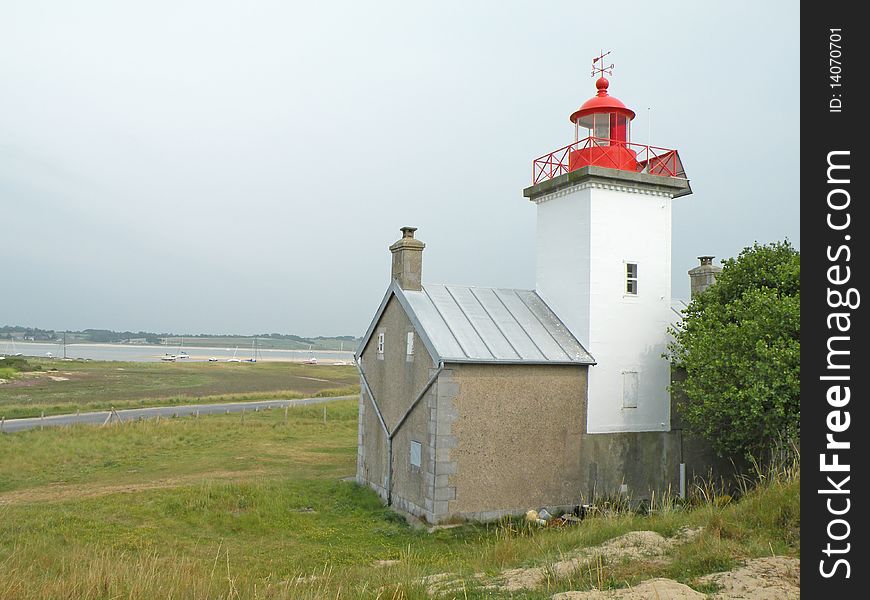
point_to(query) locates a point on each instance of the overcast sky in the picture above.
(241, 167)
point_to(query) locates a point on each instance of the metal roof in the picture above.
(486, 325)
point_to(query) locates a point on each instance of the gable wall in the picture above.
(396, 380)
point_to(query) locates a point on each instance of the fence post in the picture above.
(2, 421)
(324, 414)
(286, 408)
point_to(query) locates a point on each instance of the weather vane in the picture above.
(602, 69)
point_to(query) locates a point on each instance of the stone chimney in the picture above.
(408, 260)
(704, 275)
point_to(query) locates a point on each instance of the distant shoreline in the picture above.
(154, 353)
(170, 347)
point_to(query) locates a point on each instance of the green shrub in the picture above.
(739, 343)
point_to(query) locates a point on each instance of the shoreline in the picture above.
(152, 346)
(103, 351)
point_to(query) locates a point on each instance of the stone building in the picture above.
(472, 399)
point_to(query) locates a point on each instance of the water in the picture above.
(143, 353)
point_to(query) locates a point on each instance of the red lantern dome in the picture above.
(606, 141)
(602, 102)
(607, 121)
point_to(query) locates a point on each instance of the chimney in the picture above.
(704, 275)
(408, 260)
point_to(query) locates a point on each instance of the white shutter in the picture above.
(416, 454)
(629, 389)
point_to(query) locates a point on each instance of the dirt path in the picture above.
(58, 492)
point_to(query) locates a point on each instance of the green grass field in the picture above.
(62, 387)
(217, 507)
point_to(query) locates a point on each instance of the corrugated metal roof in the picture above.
(490, 325)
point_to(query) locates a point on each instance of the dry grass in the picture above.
(211, 508)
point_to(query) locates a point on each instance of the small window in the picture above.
(629, 389)
(410, 346)
(416, 453)
(601, 128)
(631, 279)
(380, 343)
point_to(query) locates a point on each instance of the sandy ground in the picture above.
(656, 589)
(634, 545)
(769, 578)
(773, 578)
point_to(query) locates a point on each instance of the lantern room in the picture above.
(602, 138)
(604, 117)
(607, 124)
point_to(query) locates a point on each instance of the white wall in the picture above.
(586, 234)
(563, 261)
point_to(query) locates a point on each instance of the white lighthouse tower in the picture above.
(604, 257)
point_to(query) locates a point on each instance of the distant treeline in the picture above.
(10, 332)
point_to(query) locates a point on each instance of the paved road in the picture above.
(98, 418)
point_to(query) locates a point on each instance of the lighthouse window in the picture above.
(631, 279)
(601, 128)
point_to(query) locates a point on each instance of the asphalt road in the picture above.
(133, 414)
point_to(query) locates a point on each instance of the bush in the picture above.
(18, 364)
(739, 344)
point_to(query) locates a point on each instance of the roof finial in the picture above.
(601, 69)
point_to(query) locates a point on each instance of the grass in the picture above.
(217, 507)
(61, 387)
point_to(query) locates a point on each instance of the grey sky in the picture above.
(208, 166)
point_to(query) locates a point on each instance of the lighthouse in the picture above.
(603, 257)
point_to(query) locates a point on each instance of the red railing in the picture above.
(602, 152)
